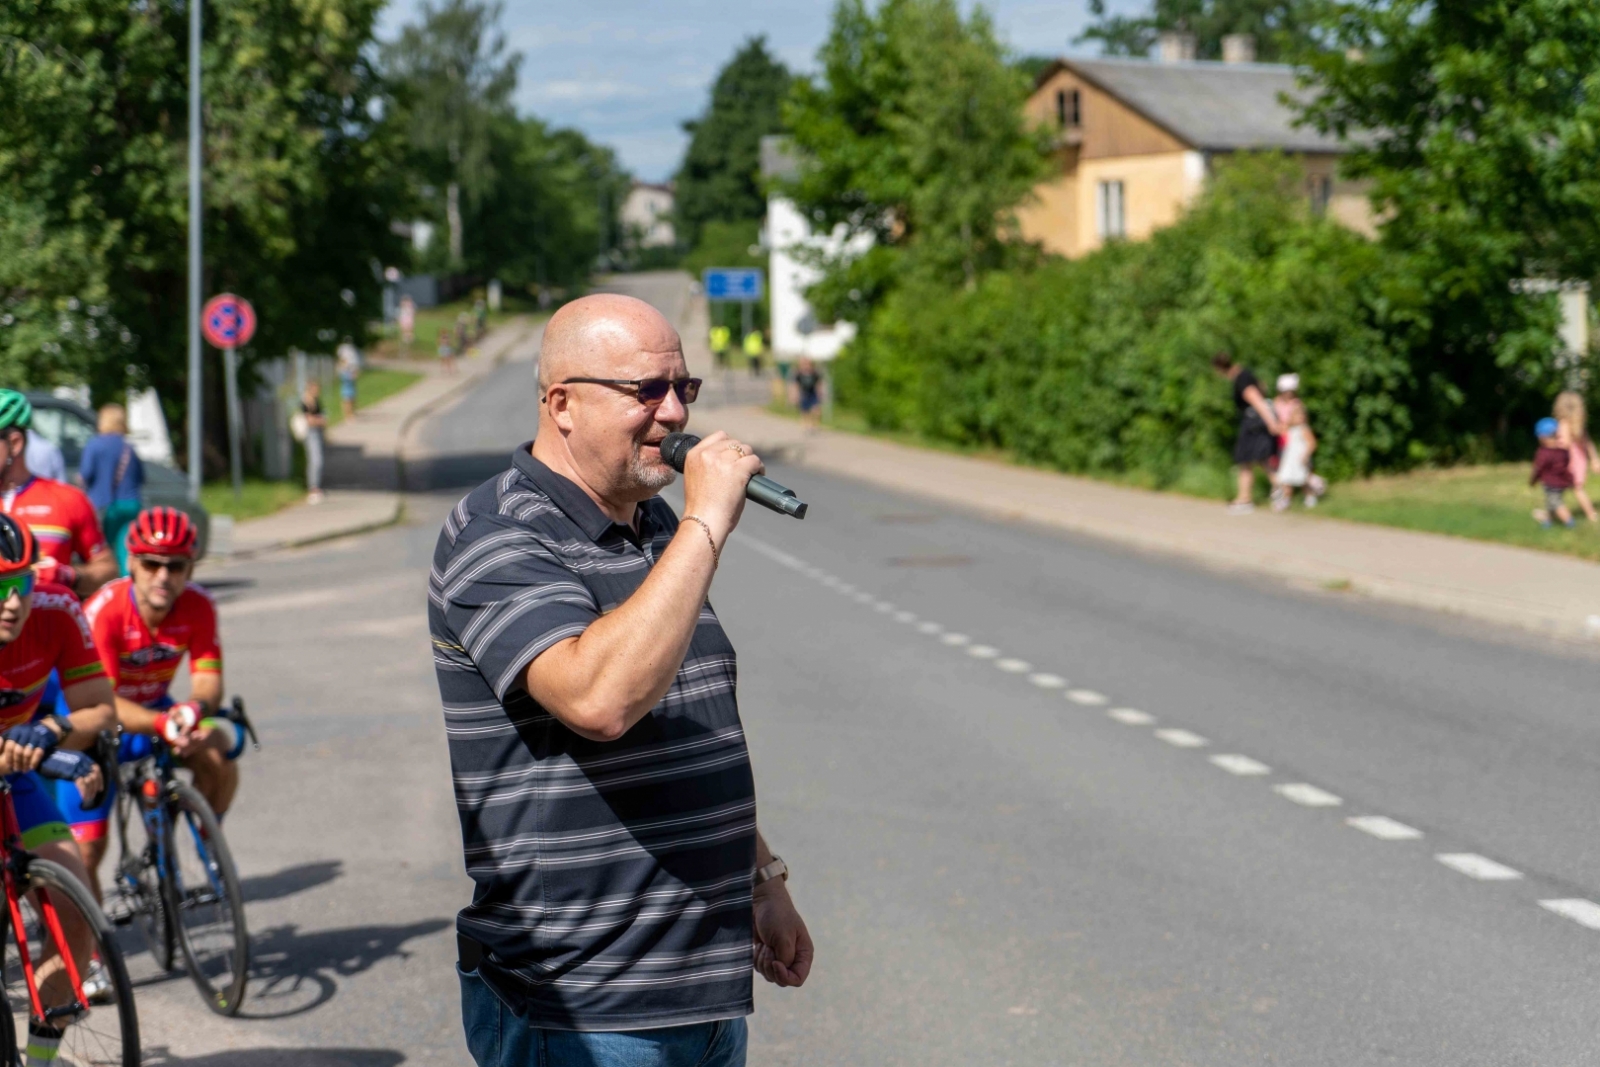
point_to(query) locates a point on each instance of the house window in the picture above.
(1069, 108)
(1110, 220)
(1321, 193)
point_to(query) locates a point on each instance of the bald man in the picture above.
(607, 805)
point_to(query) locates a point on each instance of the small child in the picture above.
(447, 353)
(1552, 470)
(1295, 448)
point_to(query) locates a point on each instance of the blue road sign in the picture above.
(733, 283)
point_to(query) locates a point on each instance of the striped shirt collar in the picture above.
(578, 506)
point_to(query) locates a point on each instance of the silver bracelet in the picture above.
(716, 557)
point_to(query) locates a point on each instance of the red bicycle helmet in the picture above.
(18, 550)
(161, 532)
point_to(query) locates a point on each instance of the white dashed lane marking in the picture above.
(1240, 765)
(1384, 828)
(1482, 868)
(1182, 738)
(1309, 795)
(1583, 912)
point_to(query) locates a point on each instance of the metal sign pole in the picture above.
(196, 424)
(231, 378)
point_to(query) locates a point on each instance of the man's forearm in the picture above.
(603, 681)
(95, 573)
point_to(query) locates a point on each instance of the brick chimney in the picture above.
(1239, 48)
(1175, 47)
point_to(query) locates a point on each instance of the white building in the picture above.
(647, 216)
(795, 329)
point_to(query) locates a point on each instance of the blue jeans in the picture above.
(498, 1038)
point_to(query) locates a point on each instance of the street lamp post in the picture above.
(196, 424)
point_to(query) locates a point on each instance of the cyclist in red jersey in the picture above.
(42, 628)
(63, 521)
(143, 626)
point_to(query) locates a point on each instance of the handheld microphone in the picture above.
(761, 489)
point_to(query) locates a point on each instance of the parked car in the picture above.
(70, 425)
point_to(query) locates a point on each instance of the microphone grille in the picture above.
(676, 446)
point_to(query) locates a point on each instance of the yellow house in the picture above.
(1137, 139)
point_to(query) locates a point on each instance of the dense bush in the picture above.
(1101, 364)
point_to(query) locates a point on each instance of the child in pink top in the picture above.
(1569, 411)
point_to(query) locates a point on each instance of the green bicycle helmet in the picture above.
(15, 411)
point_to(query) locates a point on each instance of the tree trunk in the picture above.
(452, 214)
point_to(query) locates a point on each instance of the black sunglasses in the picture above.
(649, 390)
(154, 564)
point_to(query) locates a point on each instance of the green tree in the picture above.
(551, 209)
(1477, 124)
(719, 179)
(452, 79)
(1283, 29)
(913, 134)
(93, 159)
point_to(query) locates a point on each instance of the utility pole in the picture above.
(196, 423)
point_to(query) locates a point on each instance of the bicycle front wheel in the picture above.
(204, 898)
(100, 1036)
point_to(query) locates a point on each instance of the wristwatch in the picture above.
(776, 869)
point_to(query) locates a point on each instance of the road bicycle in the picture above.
(175, 875)
(57, 929)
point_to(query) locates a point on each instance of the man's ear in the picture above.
(556, 409)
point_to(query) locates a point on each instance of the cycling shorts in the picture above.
(38, 818)
(89, 824)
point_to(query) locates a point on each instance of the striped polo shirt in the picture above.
(612, 878)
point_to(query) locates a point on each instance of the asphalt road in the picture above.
(987, 753)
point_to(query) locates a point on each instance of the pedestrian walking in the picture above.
(1258, 425)
(1552, 471)
(315, 422)
(349, 365)
(754, 347)
(721, 337)
(1296, 446)
(808, 393)
(113, 478)
(480, 317)
(447, 352)
(408, 322)
(463, 334)
(604, 788)
(1582, 457)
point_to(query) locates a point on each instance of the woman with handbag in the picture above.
(307, 424)
(113, 478)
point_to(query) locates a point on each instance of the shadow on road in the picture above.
(290, 880)
(292, 973)
(462, 470)
(279, 1057)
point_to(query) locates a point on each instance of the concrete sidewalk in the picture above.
(365, 454)
(1539, 591)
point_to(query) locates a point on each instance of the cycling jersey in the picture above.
(56, 637)
(142, 664)
(60, 516)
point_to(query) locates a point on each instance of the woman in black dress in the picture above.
(1259, 430)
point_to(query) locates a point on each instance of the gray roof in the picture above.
(1212, 106)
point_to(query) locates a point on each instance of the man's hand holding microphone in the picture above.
(716, 473)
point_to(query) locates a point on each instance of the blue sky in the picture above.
(628, 72)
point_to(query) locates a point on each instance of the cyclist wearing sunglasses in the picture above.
(143, 626)
(62, 519)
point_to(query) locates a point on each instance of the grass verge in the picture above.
(258, 497)
(1492, 502)
(443, 317)
(375, 384)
